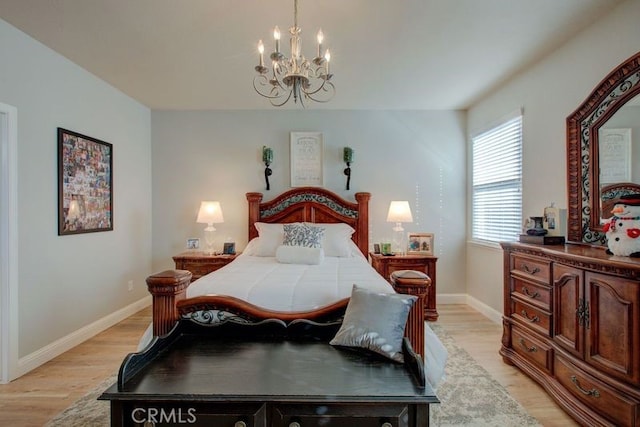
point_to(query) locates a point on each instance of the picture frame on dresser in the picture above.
(420, 243)
(307, 169)
(229, 248)
(193, 243)
(85, 184)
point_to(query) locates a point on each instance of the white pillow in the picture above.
(337, 239)
(270, 237)
(250, 249)
(286, 254)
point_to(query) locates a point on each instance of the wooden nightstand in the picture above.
(200, 263)
(385, 265)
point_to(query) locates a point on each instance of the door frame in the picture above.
(8, 243)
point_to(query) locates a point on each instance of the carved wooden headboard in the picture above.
(312, 204)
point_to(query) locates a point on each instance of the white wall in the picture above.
(68, 282)
(549, 92)
(399, 155)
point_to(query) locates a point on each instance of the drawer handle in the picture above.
(529, 349)
(533, 271)
(240, 424)
(526, 291)
(386, 425)
(533, 319)
(294, 424)
(593, 392)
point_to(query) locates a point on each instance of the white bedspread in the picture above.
(265, 282)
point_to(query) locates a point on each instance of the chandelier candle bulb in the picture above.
(276, 37)
(327, 56)
(261, 50)
(320, 39)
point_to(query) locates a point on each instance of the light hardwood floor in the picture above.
(39, 395)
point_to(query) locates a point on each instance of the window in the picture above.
(497, 182)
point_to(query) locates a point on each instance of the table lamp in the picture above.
(399, 212)
(209, 213)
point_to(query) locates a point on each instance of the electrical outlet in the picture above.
(130, 284)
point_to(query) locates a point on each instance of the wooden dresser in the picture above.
(572, 323)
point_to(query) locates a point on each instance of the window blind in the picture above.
(497, 182)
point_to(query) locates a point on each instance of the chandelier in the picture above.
(295, 76)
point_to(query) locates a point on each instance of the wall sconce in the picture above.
(209, 213)
(267, 159)
(348, 159)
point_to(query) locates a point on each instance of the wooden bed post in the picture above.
(418, 286)
(167, 288)
(254, 200)
(363, 222)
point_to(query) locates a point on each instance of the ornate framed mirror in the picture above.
(602, 164)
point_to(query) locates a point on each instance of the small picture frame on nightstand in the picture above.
(420, 244)
(385, 249)
(229, 248)
(193, 244)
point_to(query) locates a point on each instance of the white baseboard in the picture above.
(489, 312)
(451, 298)
(494, 315)
(56, 348)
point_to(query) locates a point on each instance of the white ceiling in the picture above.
(386, 54)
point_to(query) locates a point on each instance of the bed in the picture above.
(260, 284)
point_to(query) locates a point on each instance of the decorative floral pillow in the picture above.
(303, 235)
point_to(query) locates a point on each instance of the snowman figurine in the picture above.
(623, 230)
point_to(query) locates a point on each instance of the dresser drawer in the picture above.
(200, 264)
(532, 349)
(532, 268)
(620, 409)
(342, 415)
(533, 293)
(200, 268)
(531, 316)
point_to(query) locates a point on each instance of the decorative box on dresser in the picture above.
(572, 323)
(201, 263)
(385, 265)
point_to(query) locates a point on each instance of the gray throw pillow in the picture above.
(375, 321)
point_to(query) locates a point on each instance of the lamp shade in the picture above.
(210, 213)
(399, 211)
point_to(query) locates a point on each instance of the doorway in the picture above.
(8, 243)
